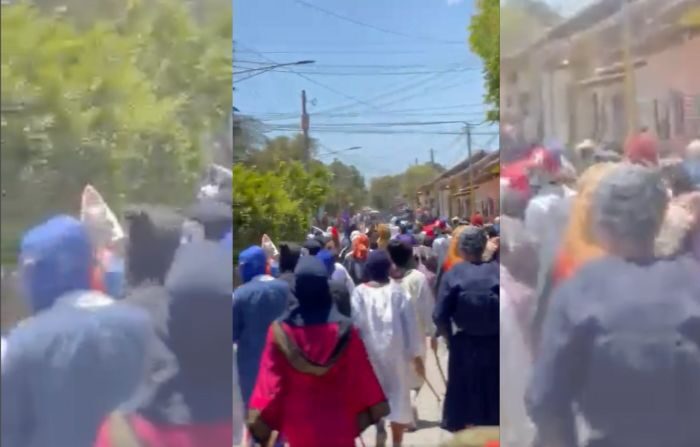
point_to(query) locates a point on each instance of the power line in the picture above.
(380, 73)
(376, 28)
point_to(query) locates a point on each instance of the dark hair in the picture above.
(399, 252)
(490, 230)
(678, 178)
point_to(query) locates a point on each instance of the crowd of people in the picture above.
(332, 333)
(600, 297)
(141, 358)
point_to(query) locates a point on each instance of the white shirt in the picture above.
(341, 274)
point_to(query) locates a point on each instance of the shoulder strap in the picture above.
(121, 433)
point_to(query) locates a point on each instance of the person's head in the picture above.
(313, 246)
(692, 151)
(378, 267)
(585, 152)
(55, 259)
(311, 287)
(472, 243)
(360, 247)
(455, 221)
(677, 178)
(328, 260)
(477, 219)
(289, 256)
(153, 236)
(642, 149)
(628, 209)
(400, 252)
(252, 262)
(200, 284)
(214, 216)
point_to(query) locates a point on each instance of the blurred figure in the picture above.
(384, 233)
(79, 357)
(585, 154)
(417, 289)
(642, 148)
(213, 216)
(192, 404)
(357, 258)
(339, 289)
(623, 332)
(256, 304)
(288, 259)
(468, 301)
(388, 323)
(314, 351)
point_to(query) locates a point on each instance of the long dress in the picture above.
(389, 328)
(316, 387)
(469, 299)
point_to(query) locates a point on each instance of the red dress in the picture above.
(315, 388)
(155, 435)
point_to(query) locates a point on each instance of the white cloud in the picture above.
(453, 2)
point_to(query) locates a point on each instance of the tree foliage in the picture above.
(349, 189)
(383, 190)
(129, 104)
(484, 40)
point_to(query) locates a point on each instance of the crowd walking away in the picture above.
(332, 334)
(600, 296)
(126, 338)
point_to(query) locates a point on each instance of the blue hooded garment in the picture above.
(55, 258)
(68, 367)
(256, 304)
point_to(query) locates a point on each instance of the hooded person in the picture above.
(632, 321)
(388, 323)
(213, 216)
(288, 259)
(339, 288)
(257, 303)
(356, 259)
(468, 300)
(153, 236)
(313, 246)
(80, 346)
(191, 403)
(313, 350)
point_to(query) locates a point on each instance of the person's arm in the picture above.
(444, 308)
(557, 374)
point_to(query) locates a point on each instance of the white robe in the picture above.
(341, 274)
(388, 325)
(415, 286)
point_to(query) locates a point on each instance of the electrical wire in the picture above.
(376, 28)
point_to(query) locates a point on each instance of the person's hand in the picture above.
(420, 366)
(434, 343)
(492, 246)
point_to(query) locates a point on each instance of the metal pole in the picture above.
(305, 128)
(630, 87)
(470, 211)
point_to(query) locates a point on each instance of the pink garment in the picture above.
(155, 435)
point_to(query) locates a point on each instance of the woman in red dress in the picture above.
(316, 386)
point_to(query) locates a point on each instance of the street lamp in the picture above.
(353, 148)
(260, 70)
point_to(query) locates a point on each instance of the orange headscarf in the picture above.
(384, 233)
(579, 244)
(454, 255)
(360, 247)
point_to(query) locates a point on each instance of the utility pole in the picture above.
(630, 87)
(305, 128)
(468, 130)
(432, 156)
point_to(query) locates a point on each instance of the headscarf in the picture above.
(55, 259)
(314, 302)
(313, 246)
(378, 266)
(384, 233)
(580, 244)
(454, 255)
(154, 235)
(199, 320)
(69, 367)
(326, 257)
(289, 256)
(360, 247)
(252, 262)
(642, 148)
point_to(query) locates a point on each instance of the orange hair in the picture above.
(360, 247)
(579, 244)
(384, 233)
(454, 255)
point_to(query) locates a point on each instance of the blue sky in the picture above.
(440, 78)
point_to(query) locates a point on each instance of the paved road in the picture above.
(429, 433)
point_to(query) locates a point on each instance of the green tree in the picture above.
(417, 176)
(349, 189)
(484, 40)
(126, 105)
(384, 191)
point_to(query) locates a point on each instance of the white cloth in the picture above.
(3, 348)
(516, 428)
(416, 288)
(440, 246)
(341, 274)
(388, 325)
(538, 214)
(238, 410)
